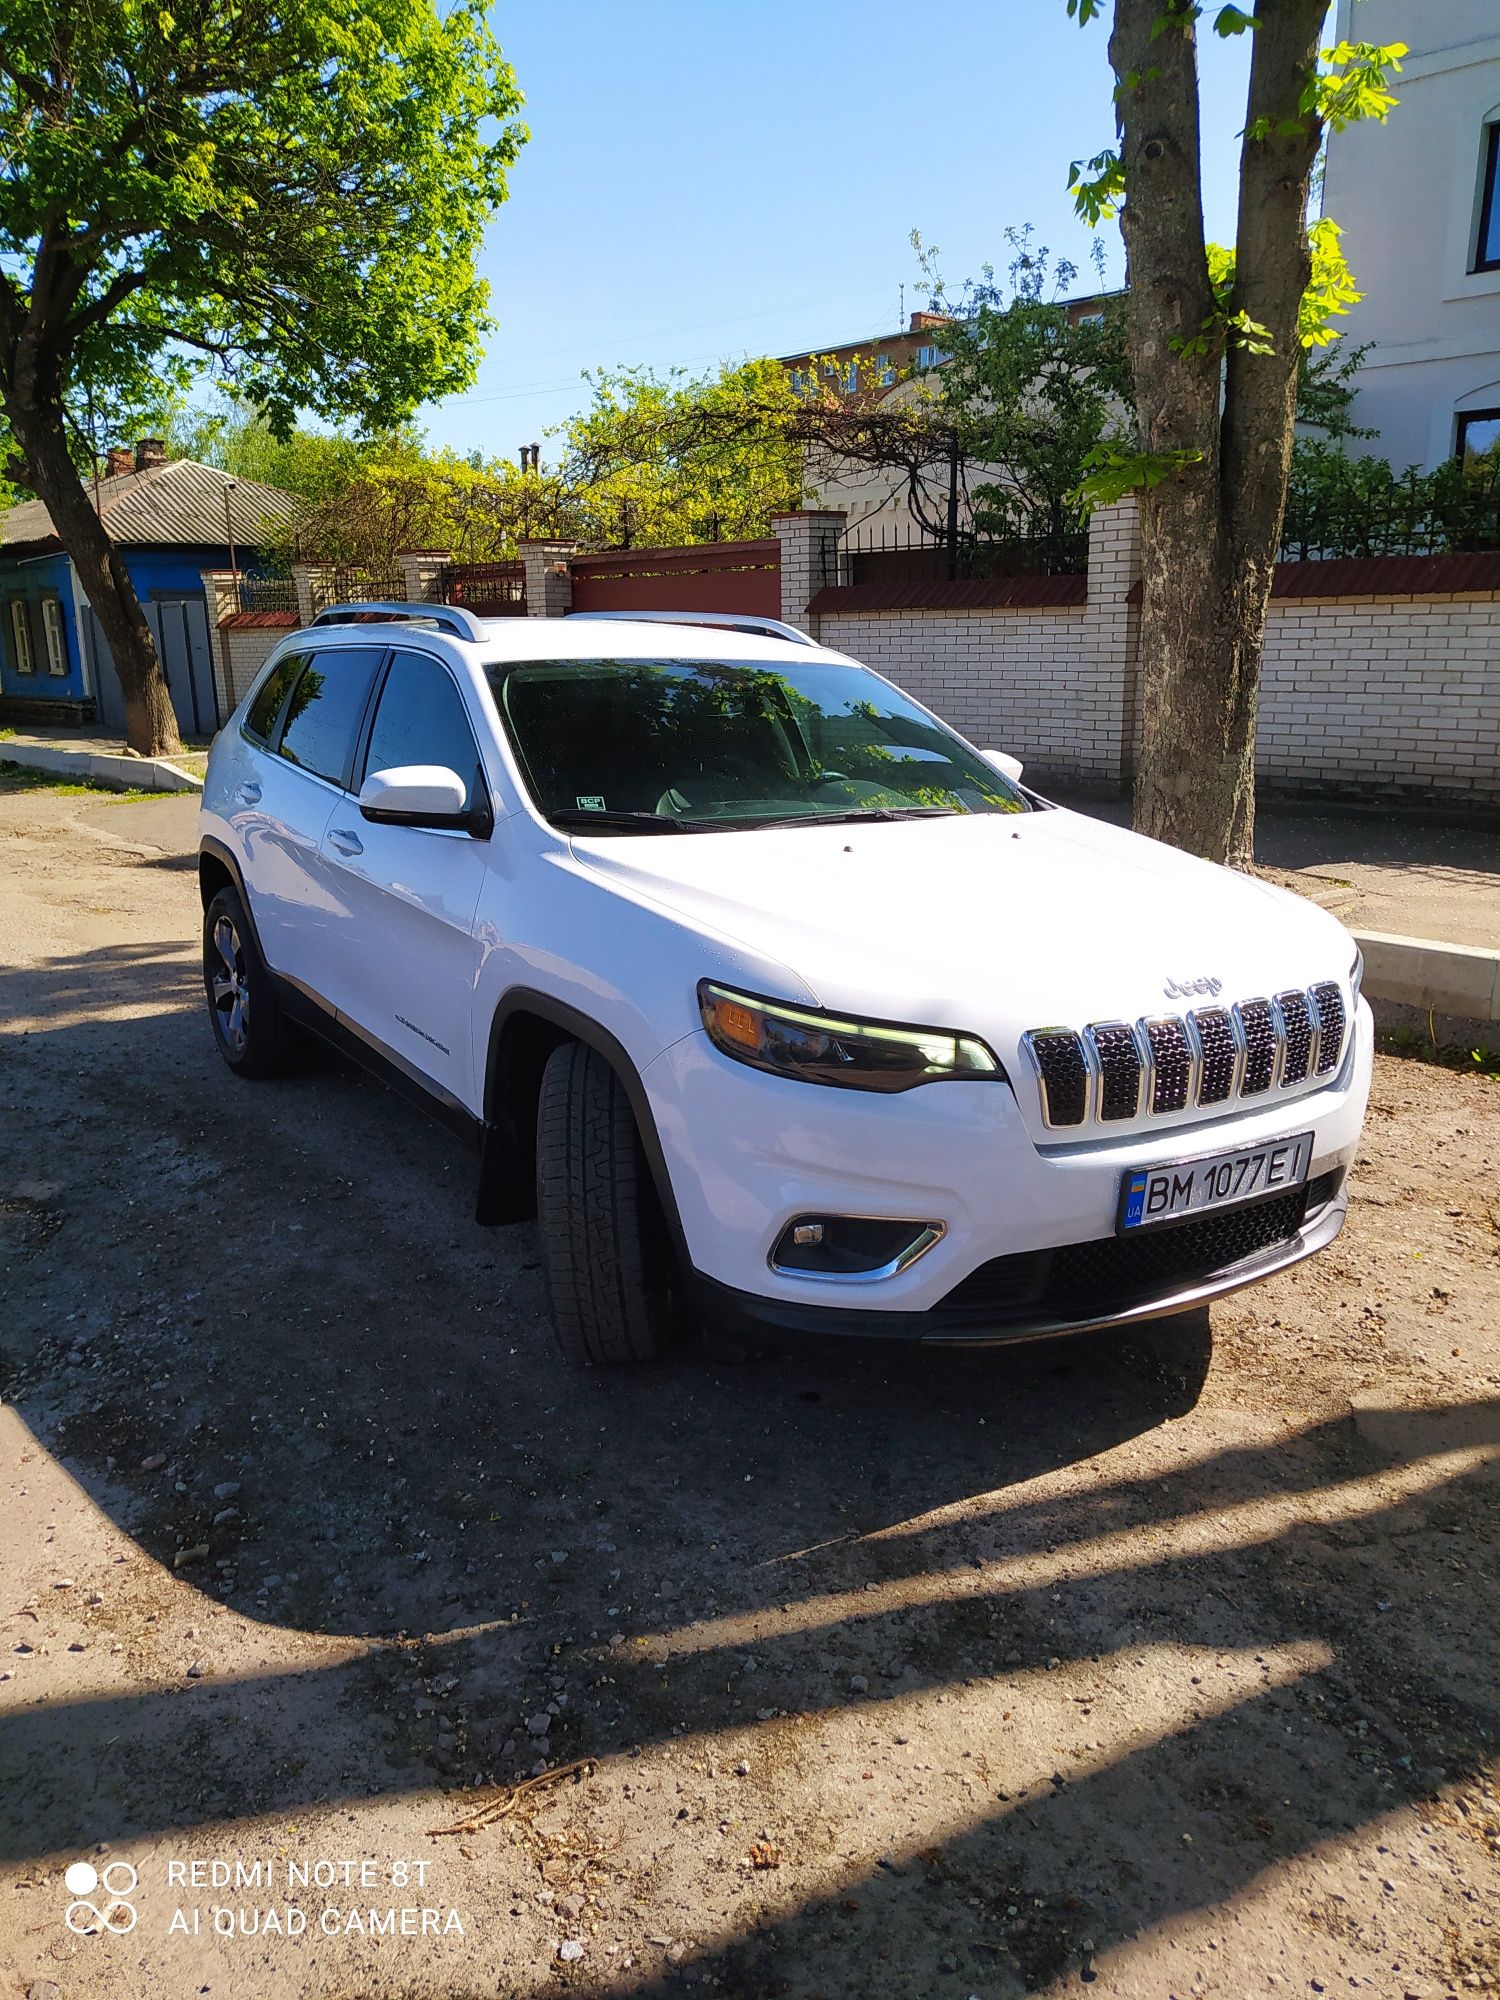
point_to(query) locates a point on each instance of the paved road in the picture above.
(1168, 1661)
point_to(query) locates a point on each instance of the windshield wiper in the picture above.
(857, 814)
(583, 820)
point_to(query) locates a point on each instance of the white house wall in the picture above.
(1406, 195)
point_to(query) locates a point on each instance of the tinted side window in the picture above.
(325, 709)
(422, 720)
(263, 711)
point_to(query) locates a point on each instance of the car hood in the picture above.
(991, 923)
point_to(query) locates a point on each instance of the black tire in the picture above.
(252, 1033)
(605, 1248)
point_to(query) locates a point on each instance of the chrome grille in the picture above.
(1297, 1037)
(1117, 1054)
(1258, 1030)
(1115, 1070)
(1063, 1072)
(1219, 1053)
(1329, 1002)
(1171, 1063)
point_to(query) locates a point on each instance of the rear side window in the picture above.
(261, 716)
(325, 709)
(422, 720)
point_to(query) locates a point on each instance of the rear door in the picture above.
(404, 970)
(304, 726)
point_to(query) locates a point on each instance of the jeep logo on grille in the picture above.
(1189, 989)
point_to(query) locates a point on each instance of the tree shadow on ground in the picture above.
(280, 1289)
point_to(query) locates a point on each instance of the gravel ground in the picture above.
(1160, 1666)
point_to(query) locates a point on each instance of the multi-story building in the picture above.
(1418, 200)
(878, 363)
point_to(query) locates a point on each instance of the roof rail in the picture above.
(737, 621)
(447, 617)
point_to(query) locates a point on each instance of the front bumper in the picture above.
(747, 1153)
(958, 1322)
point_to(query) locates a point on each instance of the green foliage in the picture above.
(1355, 85)
(1113, 469)
(1028, 388)
(1346, 506)
(677, 459)
(1097, 185)
(1329, 293)
(294, 193)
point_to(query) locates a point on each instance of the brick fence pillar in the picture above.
(809, 559)
(221, 592)
(422, 573)
(315, 587)
(1110, 722)
(549, 581)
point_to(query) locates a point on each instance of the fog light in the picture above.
(853, 1248)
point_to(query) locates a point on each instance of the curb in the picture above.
(1448, 991)
(120, 773)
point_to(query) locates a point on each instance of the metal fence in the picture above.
(1425, 516)
(897, 552)
(264, 593)
(490, 590)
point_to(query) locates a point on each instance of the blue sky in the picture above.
(708, 179)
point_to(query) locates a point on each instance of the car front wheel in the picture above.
(605, 1247)
(248, 1024)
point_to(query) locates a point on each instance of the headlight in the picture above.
(823, 1048)
(1357, 975)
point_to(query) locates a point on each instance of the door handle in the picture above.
(249, 794)
(345, 841)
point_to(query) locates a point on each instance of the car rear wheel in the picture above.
(605, 1247)
(251, 1031)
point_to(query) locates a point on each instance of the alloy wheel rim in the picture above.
(229, 985)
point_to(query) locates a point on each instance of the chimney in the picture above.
(119, 458)
(150, 451)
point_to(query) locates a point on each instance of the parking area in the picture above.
(1160, 1666)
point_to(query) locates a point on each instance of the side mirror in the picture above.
(1008, 766)
(420, 795)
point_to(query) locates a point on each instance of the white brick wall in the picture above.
(1386, 697)
(1393, 699)
(1010, 680)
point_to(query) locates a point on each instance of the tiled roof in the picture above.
(179, 503)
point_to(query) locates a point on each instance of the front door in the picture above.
(404, 971)
(308, 716)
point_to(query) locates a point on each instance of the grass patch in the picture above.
(27, 778)
(194, 762)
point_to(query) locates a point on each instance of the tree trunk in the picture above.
(1210, 528)
(150, 722)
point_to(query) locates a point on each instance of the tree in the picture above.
(681, 459)
(1214, 340)
(293, 192)
(1030, 387)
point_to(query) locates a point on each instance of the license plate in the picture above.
(1170, 1194)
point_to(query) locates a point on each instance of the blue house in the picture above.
(171, 519)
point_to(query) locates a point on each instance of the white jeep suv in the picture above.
(770, 996)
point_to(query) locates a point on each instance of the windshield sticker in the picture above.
(590, 802)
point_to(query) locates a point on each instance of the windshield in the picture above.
(658, 746)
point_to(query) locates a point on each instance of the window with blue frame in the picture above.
(1487, 247)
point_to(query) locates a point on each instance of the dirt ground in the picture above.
(1158, 1667)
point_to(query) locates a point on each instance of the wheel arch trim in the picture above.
(502, 1175)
